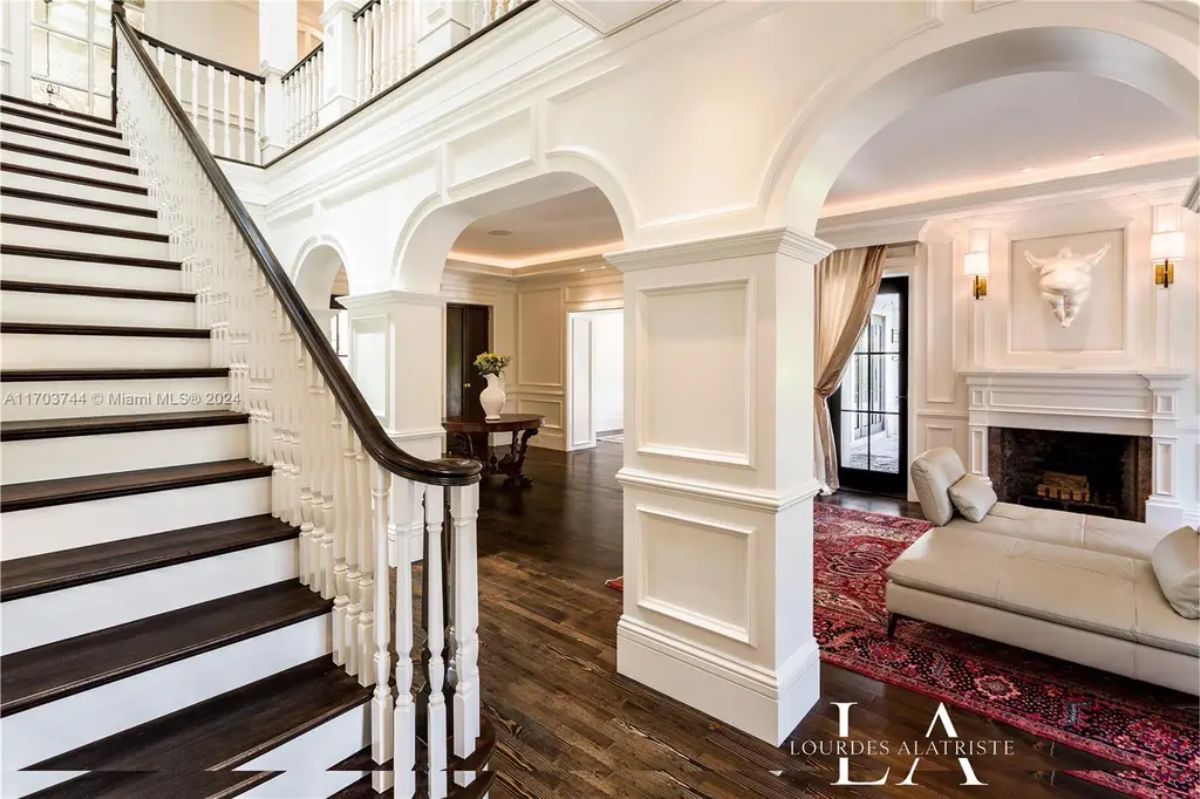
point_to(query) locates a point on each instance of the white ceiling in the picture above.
(575, 224)
(990, 131)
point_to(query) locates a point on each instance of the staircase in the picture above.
(194, 597)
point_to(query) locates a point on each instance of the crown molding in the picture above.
(387, 297)
(782, 240)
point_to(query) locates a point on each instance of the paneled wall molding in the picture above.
(380, 299)
(782, 240)
(732, 495)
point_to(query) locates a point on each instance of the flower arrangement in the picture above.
(489, 363)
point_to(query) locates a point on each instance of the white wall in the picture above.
(222, 30)
(608, 392)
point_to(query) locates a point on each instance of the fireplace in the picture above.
(1095, 473)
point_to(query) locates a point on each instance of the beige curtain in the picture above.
(847, 282)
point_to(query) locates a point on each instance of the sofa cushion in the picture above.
(973, 496)
(933, 472)
(1095, 533)
(1176, 562)
(1079, 588)
(1158, 624)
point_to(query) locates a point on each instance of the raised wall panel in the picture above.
(498, 147)
(695, 367)
(941, 376)
(370, 363)
(541, 325)
(698, 571)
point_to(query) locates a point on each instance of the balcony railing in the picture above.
(253, 118)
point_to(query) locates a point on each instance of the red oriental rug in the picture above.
(1152, 730)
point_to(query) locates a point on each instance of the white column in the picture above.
(441, 24)
(1164, 508)
(718, 476)
(339, 91)
(277, 26)
(398, 360)
(15, 36)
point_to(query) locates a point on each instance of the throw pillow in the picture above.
(1176, 562)
(973, 496)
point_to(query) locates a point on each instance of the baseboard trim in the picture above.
(765, 704)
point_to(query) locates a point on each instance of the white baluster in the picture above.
(178, 59)
(256, 150)
(376, 49)
(241, 95)
(211, 114)
(407, 499)
(381, 702)
(353, 548)
(366, 557)
(226, 151)
(435, 734)
(464, 508)
(360, 40)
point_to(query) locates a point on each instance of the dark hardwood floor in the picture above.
(567, 725)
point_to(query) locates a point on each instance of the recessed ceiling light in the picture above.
(499, 232)
(1025, 169)
(1095, 156)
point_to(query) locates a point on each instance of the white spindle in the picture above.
(194, 68)
(178, 59)
(360, 42)
(376, 15)
(435, 734)
(241, 95)
(211, 115)
(464, 508)
(406, 500)
(256, 150)
(381, 702)
(225, 150)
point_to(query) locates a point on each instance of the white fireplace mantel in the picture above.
(1129, 402)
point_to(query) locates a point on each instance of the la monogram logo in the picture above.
(940, 716)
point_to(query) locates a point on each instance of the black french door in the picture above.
(870, 409)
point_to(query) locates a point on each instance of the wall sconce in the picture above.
(1166, 248)
(976, 263)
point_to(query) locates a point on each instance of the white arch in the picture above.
(1079, 37)
(421, 249)
(316, 267)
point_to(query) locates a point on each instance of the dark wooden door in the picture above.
(467, 335)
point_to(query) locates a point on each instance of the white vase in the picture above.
(492, 398)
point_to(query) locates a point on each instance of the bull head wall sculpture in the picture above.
(1065, 280)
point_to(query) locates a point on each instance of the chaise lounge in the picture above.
(1116, 595)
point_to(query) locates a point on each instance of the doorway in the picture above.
(468, 333)
(595, 381)
(870, 409)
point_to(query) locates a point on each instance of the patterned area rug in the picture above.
(1153, 731)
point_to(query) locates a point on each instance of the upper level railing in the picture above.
(223, 101)
(356, 497)
(247, 116)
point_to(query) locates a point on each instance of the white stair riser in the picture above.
(40, 209)
(51, 350)
(45, 122)
(76, 456)
(305, 758)
(66, 188)
(46, 618)
(32, 306)
(70, 167)
(65, 148)
(80, 524)
(69, 399)
(59, 726)
(87, 273)
(33, 236)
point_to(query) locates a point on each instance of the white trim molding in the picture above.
(782, 240)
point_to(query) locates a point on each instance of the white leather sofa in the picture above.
(1077, 587)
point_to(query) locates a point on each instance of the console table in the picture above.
(470, 437)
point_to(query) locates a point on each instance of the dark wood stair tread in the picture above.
(79, 202)
(31, 287)
(485, 745)
(52, 135)
(191, 784)
(49, 109)
(149, 373)
(54, 155)
(44, 493)
(28, 429)
(219, 733)
(53, 571)
(93, 257)
(56, 329)
(50, 174)
(43, 674)
(49, 117)
(79, 227)
(362, 788)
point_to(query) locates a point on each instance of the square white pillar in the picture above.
(441, 24)
(277, 29)
(339, 92)
(718, 476)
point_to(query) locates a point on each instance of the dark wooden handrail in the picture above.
(170, 48)
(366, 7)
(304, 60)
(449, 471)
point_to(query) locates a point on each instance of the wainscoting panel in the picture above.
(370, 360)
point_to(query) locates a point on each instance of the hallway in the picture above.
(568, 726)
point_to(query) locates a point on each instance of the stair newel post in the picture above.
(354, 554)
(431, 598)
(464, 511)
(406, 503)
(381, 702)
(366, 556)
(337, 447)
